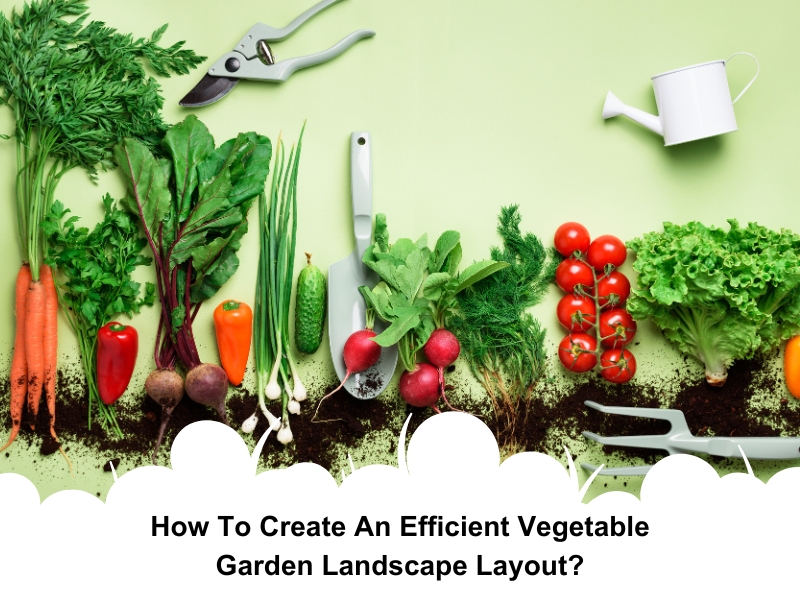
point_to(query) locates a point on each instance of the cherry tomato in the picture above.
(576, 313)
(613, 290)
(606, 250)
(576, 352)
(570, 238)
(617, 328)
(617, 365)
(571, 272)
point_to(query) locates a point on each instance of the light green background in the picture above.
(472, 105)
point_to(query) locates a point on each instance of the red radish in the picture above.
(442, 350)
(420, 387)
(360, 353)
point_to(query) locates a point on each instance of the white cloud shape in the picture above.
(706, 535)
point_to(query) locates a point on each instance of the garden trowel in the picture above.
(346, 307)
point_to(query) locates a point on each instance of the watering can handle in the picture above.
(758, 69)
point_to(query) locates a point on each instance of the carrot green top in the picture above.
(76, 88)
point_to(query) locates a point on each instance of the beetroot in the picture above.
(208, 384)
(360, 353)
(164, 386)
(420, 387)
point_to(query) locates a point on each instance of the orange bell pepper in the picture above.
(233, 323)
(791, 366)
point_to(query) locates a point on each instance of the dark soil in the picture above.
(346, 421)
(107, 466)
(552, 421)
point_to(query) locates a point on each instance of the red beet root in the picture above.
(208, 384)
(164, 386)
(420, 387)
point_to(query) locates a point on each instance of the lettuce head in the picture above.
(719, 295)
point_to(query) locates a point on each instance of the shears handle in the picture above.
(281, 71)
(247, 46)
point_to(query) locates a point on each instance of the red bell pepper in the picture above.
(117, 347)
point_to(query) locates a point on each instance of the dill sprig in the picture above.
(502, 342)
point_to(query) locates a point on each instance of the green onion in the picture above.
(275, 359)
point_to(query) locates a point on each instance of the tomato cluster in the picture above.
(592, 309)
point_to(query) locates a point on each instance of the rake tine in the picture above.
(652, 442)
(674, 417)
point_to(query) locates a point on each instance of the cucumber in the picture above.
(309, 313)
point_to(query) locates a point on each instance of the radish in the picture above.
(420, 387)
(442, 350)
(360, 353)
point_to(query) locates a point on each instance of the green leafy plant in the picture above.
(418, 287)
(193, 208)
(502, 342)
(76, 89)
(719, 295)
(97, 266)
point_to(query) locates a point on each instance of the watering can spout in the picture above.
(614, 107)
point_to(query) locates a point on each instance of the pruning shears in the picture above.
(252, 58)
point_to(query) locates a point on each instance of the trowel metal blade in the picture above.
(209, 90)
(347, 314)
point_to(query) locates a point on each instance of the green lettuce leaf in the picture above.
(719, 295)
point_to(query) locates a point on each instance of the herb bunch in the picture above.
(76, 88)
(502, 342)
(97, 266)
(418, 287)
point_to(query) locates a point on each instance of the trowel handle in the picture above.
(361, 188)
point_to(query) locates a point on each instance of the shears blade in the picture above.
(209, 90)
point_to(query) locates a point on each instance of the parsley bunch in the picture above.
(76, 89)
(97, 266)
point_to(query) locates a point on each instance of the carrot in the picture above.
(50, 344)
(34, 333)
(19, 365)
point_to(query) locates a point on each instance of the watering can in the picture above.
(693, 103)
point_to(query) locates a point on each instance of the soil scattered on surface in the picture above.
(346, 421)
(554, 418)
(107, 466)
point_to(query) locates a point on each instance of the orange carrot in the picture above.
(34, 333)
(50, 344)
(19, 365)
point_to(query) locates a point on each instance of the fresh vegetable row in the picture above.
(718, 295)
